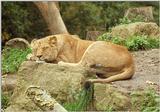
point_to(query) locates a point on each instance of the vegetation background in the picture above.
(23, 19)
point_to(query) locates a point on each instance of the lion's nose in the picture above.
(39, 56)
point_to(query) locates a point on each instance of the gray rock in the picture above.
(17, 43)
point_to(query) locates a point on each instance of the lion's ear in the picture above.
(53, 40)
(33, 42)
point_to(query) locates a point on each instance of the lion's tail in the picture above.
(127, 74)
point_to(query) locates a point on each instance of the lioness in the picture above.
(111, 62)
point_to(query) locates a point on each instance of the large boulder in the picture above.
(63, 83)
(138, 28)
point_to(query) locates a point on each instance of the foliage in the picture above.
(105, 37)
(91, 15)
(4, 101)
(141, 43)
(84, 15)
(21, 19)
(12, 58)
(13, 17)
(125, 20)
(85, 97)
(108, 37)
(147, 101)
(137, 42)
(112, 11)
(99, 15)
(118, 40)
(154, 43)
(133, 43)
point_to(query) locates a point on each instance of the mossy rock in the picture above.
(63, 83)
(108, 97)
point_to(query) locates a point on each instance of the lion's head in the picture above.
(45, 49)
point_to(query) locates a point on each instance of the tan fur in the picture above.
(110, 61)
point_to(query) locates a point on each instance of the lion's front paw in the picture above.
(31, 57)
(96, 80)
(61, 63)
(90, 80)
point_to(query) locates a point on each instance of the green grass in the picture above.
(146, 101)
(12, 58)
(84, 99)
(4, 101)
(133, 43)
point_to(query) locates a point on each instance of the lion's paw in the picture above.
(31, 57)
(61, 63)
(96, 80)
(90, 80)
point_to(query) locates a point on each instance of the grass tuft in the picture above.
(12, 58)
(84, 99)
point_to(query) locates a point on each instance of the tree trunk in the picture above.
(51, 14)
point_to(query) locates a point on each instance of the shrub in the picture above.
(133, 43)
(118, 40)
(105, 37)
(125, 20)
(137, 42)
(154, 43)
(12, 58)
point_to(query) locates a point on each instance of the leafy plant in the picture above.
(105, 37)
(133, 43)
(137, 42)
(12, 58)
(118, 40)
(124, 20)
(154, 43)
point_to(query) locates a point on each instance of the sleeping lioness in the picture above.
(111, 62)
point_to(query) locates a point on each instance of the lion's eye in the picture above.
(45, 48)
(34, 49)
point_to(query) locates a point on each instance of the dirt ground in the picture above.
(147, 71)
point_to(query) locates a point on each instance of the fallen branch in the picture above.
(43, 100)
